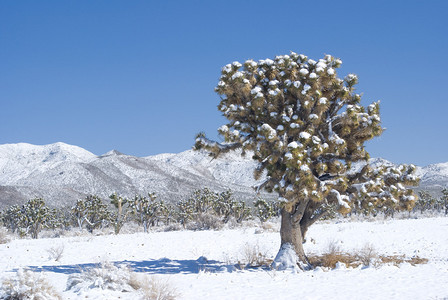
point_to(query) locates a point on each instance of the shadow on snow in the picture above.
(160, 266)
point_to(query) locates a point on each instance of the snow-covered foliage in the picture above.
(30, 218)
(265, 210)
(91, 212)
(26, 284)
(306, 127)
(121, 278)
(209, 210)
(106, 276)
(147, 210)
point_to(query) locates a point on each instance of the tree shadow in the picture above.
(159, 266)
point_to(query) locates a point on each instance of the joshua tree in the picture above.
(91, 211)
(307, 128)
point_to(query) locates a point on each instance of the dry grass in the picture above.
(329, 260)
(366, 256)
(398, 259)
(254, 257)
(153, 288)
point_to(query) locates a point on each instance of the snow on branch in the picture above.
(214, 147)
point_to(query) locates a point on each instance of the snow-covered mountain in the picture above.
(433, 177)
(62, 173)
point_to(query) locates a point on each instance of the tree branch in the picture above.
(300, 210)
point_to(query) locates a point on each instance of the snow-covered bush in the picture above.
(367, 254)
(254, 256)
(157, 289)
(26, 284)
(106, 276)
(4, 238)
(55, 253)
(121, 278)
(205, 221)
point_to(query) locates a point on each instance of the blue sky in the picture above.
(139, 76)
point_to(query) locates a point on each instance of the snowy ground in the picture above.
(173, 257)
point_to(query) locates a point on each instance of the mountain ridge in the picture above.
(62, 173)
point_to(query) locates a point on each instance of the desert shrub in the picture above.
(254, 256)
(205, 221)
(172, 227)
(4, 238)
(26, 284)
(396, 260)
(156, 289)
(56, 252)
(121, 279)
(106, 276)
(366, 256)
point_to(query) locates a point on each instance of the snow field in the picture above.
(178, 258)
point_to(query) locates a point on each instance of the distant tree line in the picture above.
(203, 209)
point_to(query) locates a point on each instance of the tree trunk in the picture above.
(291, 253)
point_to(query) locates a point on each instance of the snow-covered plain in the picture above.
(177, 257)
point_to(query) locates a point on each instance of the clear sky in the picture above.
(139, 76)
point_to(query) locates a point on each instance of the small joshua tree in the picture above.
(31, 217)
(265, 210)
(445, 199)
(305, 127)
(425, 201)
(119, 217)
(11, 218)
(147, 210)
(92, 212)
(35, 216)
